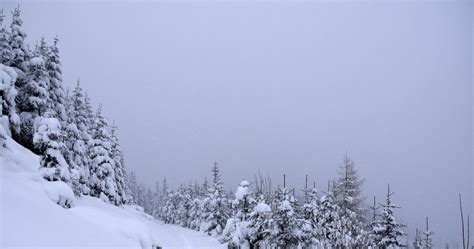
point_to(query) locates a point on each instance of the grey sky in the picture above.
(282, 87)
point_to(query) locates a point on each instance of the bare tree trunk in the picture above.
(462, 223)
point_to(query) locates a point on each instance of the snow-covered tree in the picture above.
(20, 52)
(417, 244)
(9, 117)
(260, 224)
(102, 175)
(427, 242)
(348, 196)
(6, 53)
(328, 220)
(77, 139)
(236, 229)
(309, 214)
(387, 231)
(47, 139)
(55, 89)
(215, 206)
(286, 231)
(119, 167)
(32, 100)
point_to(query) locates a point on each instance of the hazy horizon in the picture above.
(284, 88)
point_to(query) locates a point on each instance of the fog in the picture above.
(284, 88)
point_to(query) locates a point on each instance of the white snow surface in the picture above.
(31, 218)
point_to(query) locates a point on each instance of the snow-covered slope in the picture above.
(31, 218)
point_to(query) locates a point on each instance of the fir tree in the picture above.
(309, 219)
(48, 141)
(215, 206)
(56, 91)
(236, 229)
(328, 219)
(77, 139)
(427, 242)
(20, 52)
(260, 224)
(119, 168)
(9, 117)
(6, 53)
(102, 176)
(387, 232)
(286, 231)
(348, 196)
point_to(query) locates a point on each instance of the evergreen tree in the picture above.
(32, 101)
(6, 53)
(328, 220)
(236, 229)
(215, 206)
(77, 140)
(286, 231)
(48, 141)
(20, 52)
(348, 196)
(417, 244)
(9, 118)
(387, 232)
(260, 224)
(309, 215)
(427, 240)
(119, 168)
(56, 91)
(102, 175)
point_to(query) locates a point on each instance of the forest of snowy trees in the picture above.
(79, 146)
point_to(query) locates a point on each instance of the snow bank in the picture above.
(31, 218)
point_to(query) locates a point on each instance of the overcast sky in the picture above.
(282, 87)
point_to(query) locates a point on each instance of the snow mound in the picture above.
(30, 216)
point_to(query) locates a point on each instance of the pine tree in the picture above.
(286, 231)
(309, 219)
(48, 141)
(417, 244)
(32, 101)
(348, 196)
(77, 140)
(20, 52)
(9, 117)
(215, 206)
(387, 232)
(102, 176)
(119, 168)
(260, 224)
(6, 53)
(56, 90)
(427, 241)
(328, 219)
(236, 229)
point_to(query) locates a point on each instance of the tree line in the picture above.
(77, 145)
(260, 216)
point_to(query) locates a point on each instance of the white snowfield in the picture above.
(31, 218)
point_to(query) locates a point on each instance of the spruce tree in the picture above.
(236, 229)
(119, 167)
(6, 53)
(215, 206)
(328, 219)
(260, 224)
(20, 52)
(286, 231)
(387, 232)
(9, 117)
(102, 176)
(348, 196)
(56, 90)
(48, 141)
(309, 215)
(77, 140)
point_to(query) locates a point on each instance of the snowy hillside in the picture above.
(31, 217)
